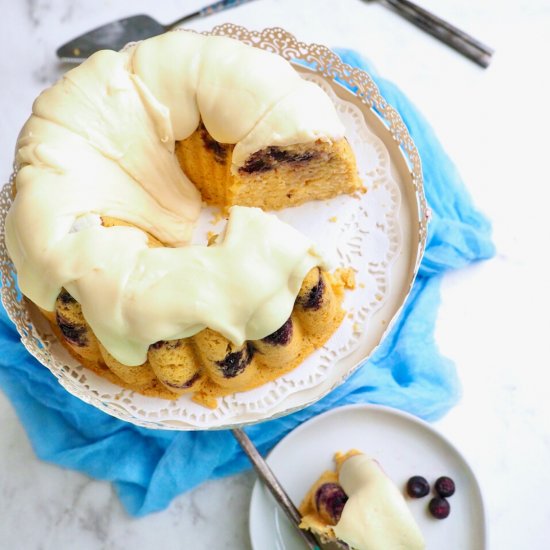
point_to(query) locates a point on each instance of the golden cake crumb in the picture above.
(342, 279)
(212, 237)
(347, 275)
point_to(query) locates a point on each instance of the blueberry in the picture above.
(282, 155)
(268, 159)
(330, 499)
(444, 486)
(187, 384)
(418, 487)
(439, 507)
(314, 298)
(166, 344)
(235, 362)
(257, 162)
(65, 298)
(75, 333)
(282, 336)
(219, 149)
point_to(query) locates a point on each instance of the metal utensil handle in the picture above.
(267, 476)
(447, 26)
(222, 5)
(444, 31)
(207, 10)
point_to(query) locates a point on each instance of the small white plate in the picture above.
(404, 446)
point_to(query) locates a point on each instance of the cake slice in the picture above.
(359, 505)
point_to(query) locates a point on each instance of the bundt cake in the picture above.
(359, 505)
(112, 167)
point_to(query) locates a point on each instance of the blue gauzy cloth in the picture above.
(149, 468)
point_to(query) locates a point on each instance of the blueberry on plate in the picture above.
(418, 487)
(439, 507)
(444, 486)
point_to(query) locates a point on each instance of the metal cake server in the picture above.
(115, 35)
(279, 494)
(275, 488)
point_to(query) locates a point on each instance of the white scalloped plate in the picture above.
(404, 446)
(381, 235)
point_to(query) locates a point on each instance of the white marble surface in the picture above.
(494, 317)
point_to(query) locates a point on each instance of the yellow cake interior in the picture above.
(273, 178)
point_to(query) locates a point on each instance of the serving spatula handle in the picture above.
(208, 10)
(271, 482)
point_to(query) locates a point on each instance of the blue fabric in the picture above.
(149, 468)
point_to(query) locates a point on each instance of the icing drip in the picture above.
(100, 142)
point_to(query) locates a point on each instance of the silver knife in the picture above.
(115, 35)
(455, 38)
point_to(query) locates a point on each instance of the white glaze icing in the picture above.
(101, 142)
(376, 516)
